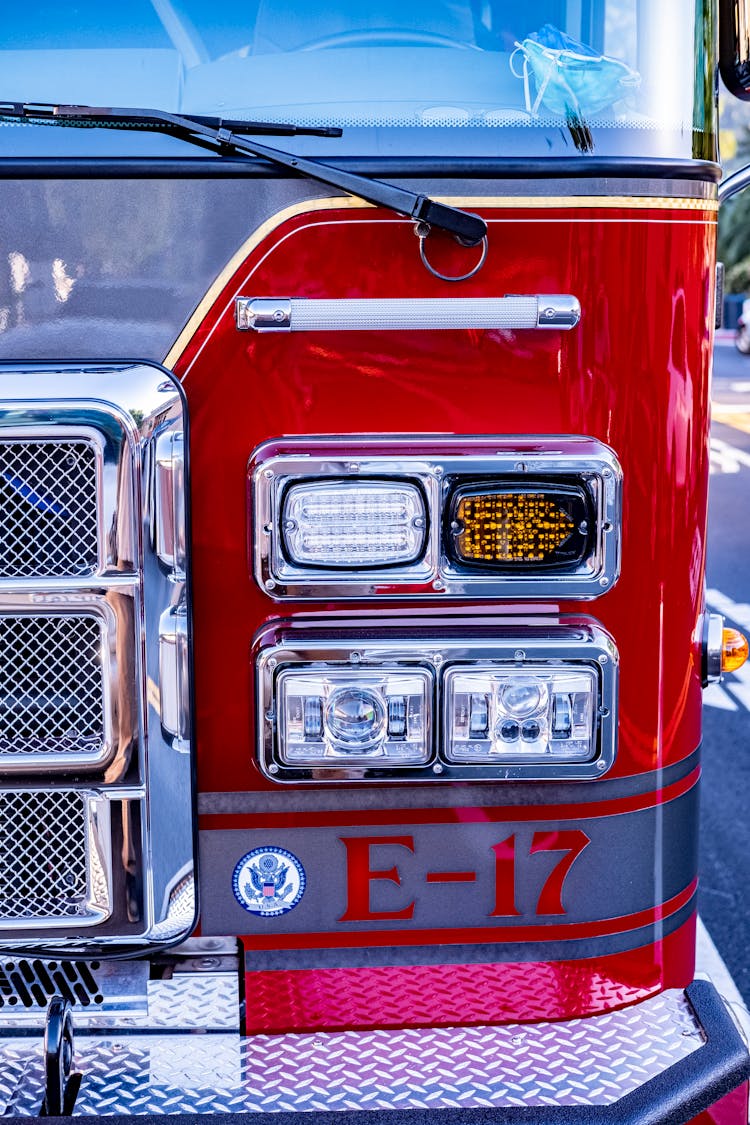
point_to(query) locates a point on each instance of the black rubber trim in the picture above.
(512, 168)
(734, 65)
(674, 1097)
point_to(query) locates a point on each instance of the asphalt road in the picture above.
(725, 817)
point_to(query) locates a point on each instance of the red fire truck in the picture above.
(354, 411)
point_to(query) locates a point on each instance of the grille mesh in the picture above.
(43, 868)
(48, 508)
(51, 686)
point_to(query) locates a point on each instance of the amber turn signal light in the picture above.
(507, 525)
(734, 650)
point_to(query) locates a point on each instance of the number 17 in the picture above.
(571, 843)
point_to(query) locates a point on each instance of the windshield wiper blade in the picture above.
(223, 136)
(93, 116)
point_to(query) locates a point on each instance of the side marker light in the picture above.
(723, 649)
(734, 650)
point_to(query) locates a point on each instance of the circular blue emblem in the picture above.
(268, 882)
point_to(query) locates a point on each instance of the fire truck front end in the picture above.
(354, 410)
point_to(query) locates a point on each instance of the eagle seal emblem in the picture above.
(268, 881)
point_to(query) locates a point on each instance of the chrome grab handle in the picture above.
(301, 314)
(174, 673)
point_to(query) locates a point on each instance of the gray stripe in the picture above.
(440, 796)
(560, 188)
(509, 953)
(362, 880)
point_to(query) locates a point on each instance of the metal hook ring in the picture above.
(422, 230)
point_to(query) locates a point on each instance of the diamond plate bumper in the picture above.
(664, 1060)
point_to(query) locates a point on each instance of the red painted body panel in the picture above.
(447, 994)
(731, 1110)
(634, 374)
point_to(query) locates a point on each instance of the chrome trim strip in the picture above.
(582, 641)
(174, 674)
(437, 470)
(145, 787)
(169, 501)
(295, 314)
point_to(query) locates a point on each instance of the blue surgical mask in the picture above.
(570, 77)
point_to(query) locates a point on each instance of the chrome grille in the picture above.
(87, 764)
(43, 861)
(48, 508)
(51, 687)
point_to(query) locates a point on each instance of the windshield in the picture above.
(434, 77)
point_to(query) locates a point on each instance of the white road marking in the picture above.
(715, 696)
(734, 414)
(723, 457)
(727, 458)
(709, 962)
(730, 407)
(738, 612)
(738, 684)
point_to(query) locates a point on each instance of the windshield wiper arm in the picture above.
(120, 118)
(223, 136)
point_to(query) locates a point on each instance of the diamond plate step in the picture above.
(201, 992)
(583, 1062)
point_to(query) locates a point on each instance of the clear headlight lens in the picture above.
(332, 717)
(534, 713)
(352, 524)
(355, 717)
(501, 702)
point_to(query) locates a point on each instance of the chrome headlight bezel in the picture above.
(579, 642)
(438, 467)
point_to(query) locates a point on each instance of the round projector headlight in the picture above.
(355, 718)
(523, 699)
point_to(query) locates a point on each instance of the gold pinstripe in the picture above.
(331, 203)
